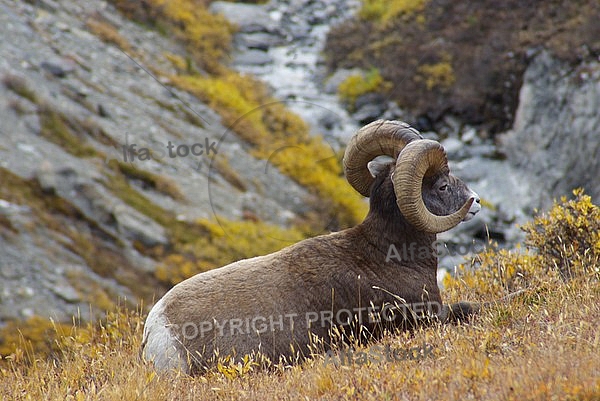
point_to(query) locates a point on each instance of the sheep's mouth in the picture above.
(475, 208)
(469, 215)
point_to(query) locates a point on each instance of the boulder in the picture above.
(252, 57)
(247, 17)
(555, 138)
(258, 40)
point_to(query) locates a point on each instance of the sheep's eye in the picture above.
(444, 187)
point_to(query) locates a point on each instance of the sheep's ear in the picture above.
(378, 164)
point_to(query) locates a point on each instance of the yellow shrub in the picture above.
(386, 10)
(234, 97)
(438, 75)
(207, 36)
(278, 136)
(35, 335)
(567, 238)
(181, 64)
(108, 33)
(227, 241)
(495, 272)
(562, 243)
(359, 84)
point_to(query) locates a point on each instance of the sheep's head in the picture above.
(427, 195)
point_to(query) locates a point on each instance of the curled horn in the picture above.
(418, 160)
(378, 138)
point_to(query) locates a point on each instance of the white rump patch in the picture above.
(159, 345)
(377, 165)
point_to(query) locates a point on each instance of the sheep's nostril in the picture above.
(477, 200)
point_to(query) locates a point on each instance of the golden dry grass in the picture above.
(538, 347)
(107, 32)
(541, 345)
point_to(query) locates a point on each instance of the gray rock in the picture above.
(67, 293)
(430, 135)
(252, 57)
(394, 112)
(367, 113)
(333, 82)
(137, 227)
(248, 17)
(555, 139)
(297, 70)
(483, 150)
(7, 208)
(25, 292)
(328, 120)
(453, 147)
(102, 111)
(298, 31)
(59, 67)
(469, 135)
(26, 313)
(369, 107)
(371, 98)
(450, 126)
(258, 40)
(48, 5)
(503, 187)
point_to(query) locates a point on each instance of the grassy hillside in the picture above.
(543, 344)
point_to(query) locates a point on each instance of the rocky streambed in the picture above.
(281, 43)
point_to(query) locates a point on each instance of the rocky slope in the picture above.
(53, 65)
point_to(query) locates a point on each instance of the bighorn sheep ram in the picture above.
(273, 303)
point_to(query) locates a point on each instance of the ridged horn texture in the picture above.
(418, 160)
(381, 137)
